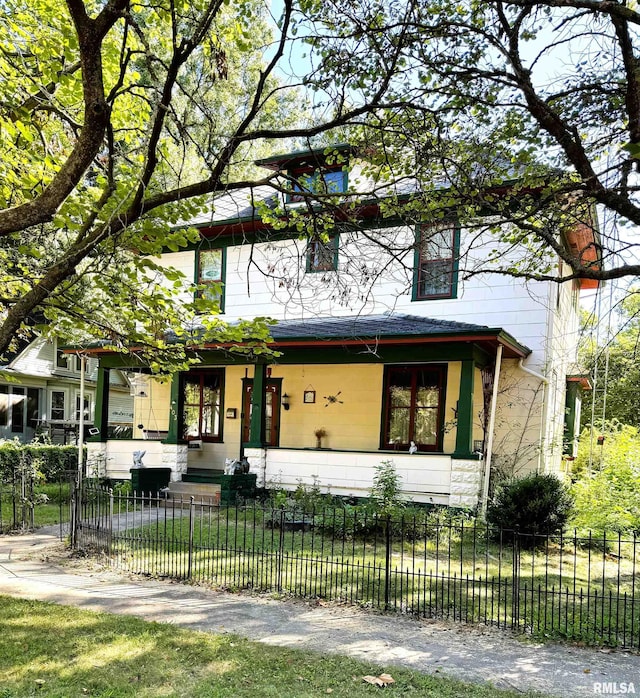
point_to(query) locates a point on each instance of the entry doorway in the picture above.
(271, 412)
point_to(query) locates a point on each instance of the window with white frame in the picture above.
(210, 275)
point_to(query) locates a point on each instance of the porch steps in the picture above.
(202, 475)
(232, 486)
(202, 493)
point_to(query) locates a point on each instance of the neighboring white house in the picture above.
(40, 394)
(376, 352)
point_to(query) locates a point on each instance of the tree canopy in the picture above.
(119, 119)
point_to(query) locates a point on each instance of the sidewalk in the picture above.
(467, 653)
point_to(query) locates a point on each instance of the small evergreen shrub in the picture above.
(533, 504)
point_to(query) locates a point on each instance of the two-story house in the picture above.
(384, 350)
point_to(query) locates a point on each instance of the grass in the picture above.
(561, 590)
(50, 506)
(62, 652)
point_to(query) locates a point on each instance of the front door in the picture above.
(272, 412)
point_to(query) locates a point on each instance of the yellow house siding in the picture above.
(353, 422)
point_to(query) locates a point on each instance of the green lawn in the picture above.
(63, 652)
(560, 591)
(50, 506)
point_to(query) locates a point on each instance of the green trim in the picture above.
(256, 426)
(569, 441)
(101, 415)
(455, 265)
(314, 153)
(427, 353)
(464, 430)
(176, 408)
(223, 268)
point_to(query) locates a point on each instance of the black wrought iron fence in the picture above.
(577, 587)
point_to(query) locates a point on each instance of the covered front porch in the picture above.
(341, 397)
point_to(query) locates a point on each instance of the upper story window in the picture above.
(210, 275)
(322, 255)
(70, 362)
(310, 181)
(436, 268)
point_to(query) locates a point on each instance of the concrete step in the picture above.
(203, 493)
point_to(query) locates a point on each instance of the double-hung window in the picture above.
(203, 396)
(210, 275)
(436, 267)
(414, 406)
(322, 254)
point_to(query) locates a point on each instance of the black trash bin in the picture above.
(149, 480)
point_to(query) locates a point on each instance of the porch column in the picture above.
(464, 433)
(256, 426)
(176, 408)
(101, 413)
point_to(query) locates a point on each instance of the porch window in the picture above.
(436, 265)
(414, 400)
(322, 255)
(203, 392)
(210, 275)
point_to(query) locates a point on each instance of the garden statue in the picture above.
(137, 459)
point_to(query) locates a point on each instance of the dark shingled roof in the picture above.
(391, 327)
(368, 326)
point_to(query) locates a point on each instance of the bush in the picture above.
(533, 504)
(51, 460)
(607, 493)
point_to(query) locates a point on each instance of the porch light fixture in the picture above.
(285, 401)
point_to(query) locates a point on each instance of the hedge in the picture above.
(52, 460)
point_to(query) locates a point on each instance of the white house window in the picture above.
(63, 360)
(210, 273)
(322, 255)
(58, 399)
(87, 407)
(435, 273)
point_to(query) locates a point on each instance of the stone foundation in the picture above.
(175, 456)
(257, 458)
(466, 483)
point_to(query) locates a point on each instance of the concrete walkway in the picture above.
(31, 567)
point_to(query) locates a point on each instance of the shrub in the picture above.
(607, 493)
(533, 504)
(51, 460)
(385, 494)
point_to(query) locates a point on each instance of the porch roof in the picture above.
(382, 330)
(389, 329)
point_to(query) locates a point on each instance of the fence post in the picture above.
(387, 565)
(76, 503)
(110, 534)
(192, 508)
(279, 552)
(515, 581)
